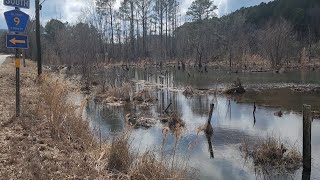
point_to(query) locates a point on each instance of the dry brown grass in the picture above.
(60, 114)
(144, 95)
(51, 141)
(112, 94)
(272, 156)
(256, 62)
(48, 141)
(148, 167)
(120, 92)
(120, 155)
(119, 162)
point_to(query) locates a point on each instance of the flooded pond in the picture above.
(233, 122)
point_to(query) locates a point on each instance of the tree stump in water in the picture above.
(209, 129)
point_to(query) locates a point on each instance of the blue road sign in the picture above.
(16, 20)
(17, 3)
(17, 41)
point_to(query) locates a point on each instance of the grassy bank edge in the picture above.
(51, 141)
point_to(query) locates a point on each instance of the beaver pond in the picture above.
(232, 119)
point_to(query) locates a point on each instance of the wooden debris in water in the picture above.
(137, 122)
(278, 113)
(144, 96)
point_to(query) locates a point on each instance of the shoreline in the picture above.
(50, 140)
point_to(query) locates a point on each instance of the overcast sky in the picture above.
(70, 10)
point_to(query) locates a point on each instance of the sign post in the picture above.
(17, 22)
(17, 62)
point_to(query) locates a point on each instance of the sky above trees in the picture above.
(71, 10)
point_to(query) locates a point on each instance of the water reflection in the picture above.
(210, 146)
(306, 175)
(232, 124)
(254, 114)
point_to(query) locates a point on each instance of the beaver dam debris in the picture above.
(316, 114)
(137, 122)
(278, 113)
(236, 88)
(173, 120)
(121, 96)
(272, 156)
(189, 92)
(144, 96)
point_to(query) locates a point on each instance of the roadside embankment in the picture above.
(51, 141)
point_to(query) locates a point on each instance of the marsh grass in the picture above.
(121, 161)
(118, 160)
(120, 155)
(61, 116)
(145, 95)
(271, 156)
(176, 123)
(120, 92)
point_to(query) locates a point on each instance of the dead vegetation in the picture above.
(51, 141)
(189, 92)
(141, 121)
(115, 94)
(176, 123)
(236, 88)
(120, 156)
(122, 163)
(145, 96)
(120, 95)
(173, 121)
(272, 156)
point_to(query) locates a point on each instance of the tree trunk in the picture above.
(112, 36)
(132, 56)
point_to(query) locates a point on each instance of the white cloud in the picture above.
(70, 10)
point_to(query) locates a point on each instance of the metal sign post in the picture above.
(17, 23)
(17, 62)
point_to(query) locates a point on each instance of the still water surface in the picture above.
(233, 122)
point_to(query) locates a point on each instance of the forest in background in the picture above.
(280, 32)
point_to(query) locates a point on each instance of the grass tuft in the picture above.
(120, 156)
(272, 156)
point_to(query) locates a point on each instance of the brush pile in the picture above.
(236, 88)
(189, 92)
(144, 96)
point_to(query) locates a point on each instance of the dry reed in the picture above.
(272, 156)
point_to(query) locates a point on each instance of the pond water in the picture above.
(233, 122)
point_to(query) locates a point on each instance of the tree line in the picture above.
(281, 31)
